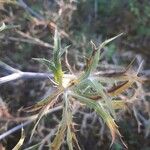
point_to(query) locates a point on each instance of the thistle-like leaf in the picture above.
(109, 40)
(102, 112)
(93, 61)
(59, 137)
(57, 142)
(69, 138)
(58, 75)
(66, 125)
(42, 103)
(121, 88)
(45, 105)
(100, 89)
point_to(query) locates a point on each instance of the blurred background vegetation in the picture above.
(79, 21)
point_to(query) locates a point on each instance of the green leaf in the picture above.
(64, 50)
(58, 74)
(69, 138)
(49, 64)
(109, 40)
(93, 61)
(57, 41)
(102, 112)
(100, 89)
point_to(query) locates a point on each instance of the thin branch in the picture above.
(16, 74)
(24, 75)
(16, 128)
(8, 69)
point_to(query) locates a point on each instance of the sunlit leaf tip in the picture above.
(20, 142)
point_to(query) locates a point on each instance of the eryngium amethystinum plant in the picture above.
(101, 93)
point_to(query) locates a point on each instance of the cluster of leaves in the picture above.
(101, 93)
(92, 90)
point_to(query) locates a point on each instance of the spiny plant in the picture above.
(101, 93)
